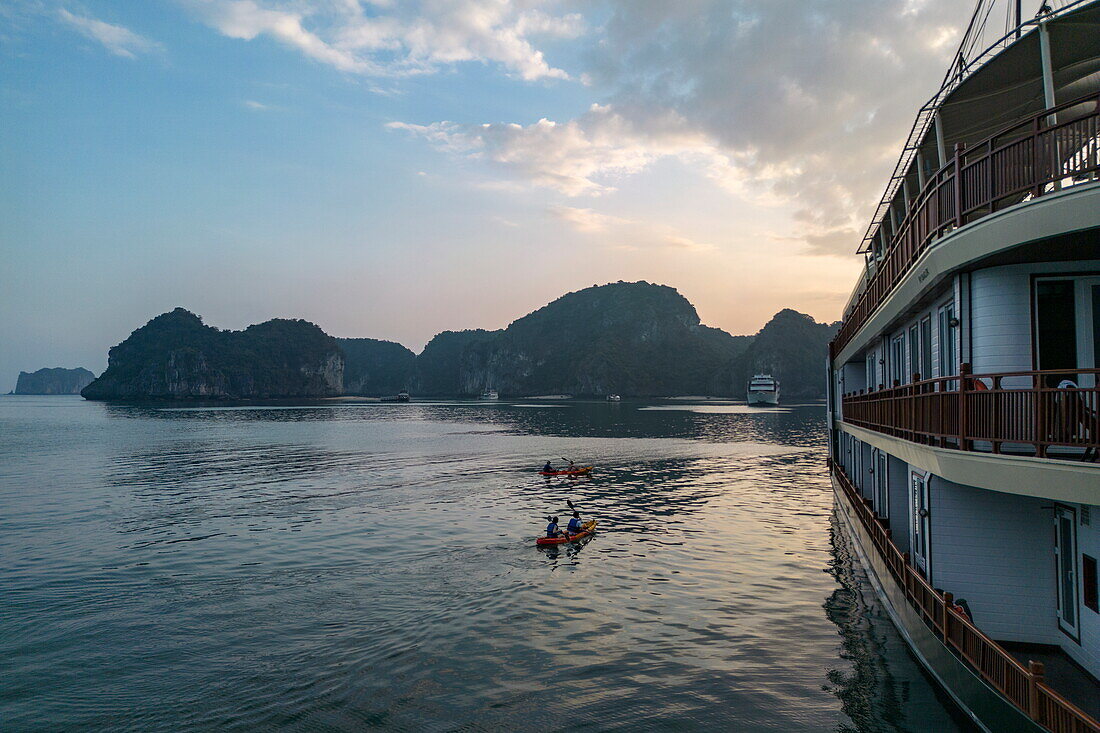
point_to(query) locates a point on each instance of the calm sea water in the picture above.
(339, 566)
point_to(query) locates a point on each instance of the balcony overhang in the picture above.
(1047, 478)
(1070, 210)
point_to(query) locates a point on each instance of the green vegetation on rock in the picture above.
(632, 339)
(176, 356)
(53, 381)
(376, 368)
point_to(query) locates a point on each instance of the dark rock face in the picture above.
(54, 381)
(632, 339)
(176, 356)
(792, 347)
(624, 338)
(376, 368)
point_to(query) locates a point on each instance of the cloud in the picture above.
(397, 39)
(788, 103)
(581, 157)
(117, 39)
(258, 106)
(627, 234)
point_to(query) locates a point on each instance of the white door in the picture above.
(922, 522)
(1065, 553)
(1088, 328)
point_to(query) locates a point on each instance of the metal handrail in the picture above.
(1034, 156)
(1024, 687)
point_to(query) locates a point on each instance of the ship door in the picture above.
(1065, 555)
(1067, 327)
(1088, 328)
(922, 522)
(882, 491)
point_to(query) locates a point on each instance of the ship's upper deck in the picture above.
(1017, 121)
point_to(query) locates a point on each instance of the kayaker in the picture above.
(571, 465)
(552, 530)
(548, 468)
(575, 525)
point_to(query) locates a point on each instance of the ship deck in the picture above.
(1062, 673)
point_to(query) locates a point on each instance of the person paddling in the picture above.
(575, 525)
(548, 468)
(552, 530)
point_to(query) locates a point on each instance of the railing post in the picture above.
(1037, 188)
(1040, 415)
(958, 185)
(948, 599)
(964, 423)
(1035, 673)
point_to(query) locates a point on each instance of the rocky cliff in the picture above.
(633, 339)
(376, 368)
(176, 356)
(53, 381)
(624, 338)
(792, 347)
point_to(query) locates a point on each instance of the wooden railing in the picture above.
(986, 412)
(1023, 686)
(1032, 157)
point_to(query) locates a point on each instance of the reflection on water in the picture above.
(342, 566)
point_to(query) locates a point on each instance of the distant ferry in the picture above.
(490, 394)
(763, 390)
(402, 396)
(613, 398)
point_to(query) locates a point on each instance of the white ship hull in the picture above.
(763, 398)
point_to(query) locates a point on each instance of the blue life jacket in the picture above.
(547, 468)
(551, 530)
(575, 526)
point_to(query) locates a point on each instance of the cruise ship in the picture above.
(763, 389)
(963, 395)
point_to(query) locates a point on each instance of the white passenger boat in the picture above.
(763, 390)
(963, 399)
(490, 394)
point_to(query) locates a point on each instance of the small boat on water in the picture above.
(589, 530)
(490, 394)
(583, 470)
(403, 396)
(613, 398)
(763, 390)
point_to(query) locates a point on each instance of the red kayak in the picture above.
(575, 472)
(589, 530)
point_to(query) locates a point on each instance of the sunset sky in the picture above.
(393, 169)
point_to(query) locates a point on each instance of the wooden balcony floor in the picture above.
(1062, 673)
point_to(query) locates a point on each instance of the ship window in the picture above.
(1095, 326)
(897, 360)
(948, 359)
(914, 353)
(1055, 325)
(926, 348)
(1088, 582)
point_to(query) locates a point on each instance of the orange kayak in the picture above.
(589, 530)
(575, 472)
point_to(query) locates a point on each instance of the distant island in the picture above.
(177, 356)
(53, 381)
(632, 339)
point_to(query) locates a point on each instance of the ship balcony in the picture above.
(1048, 152)
(1017, 432)
(1021, 413)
